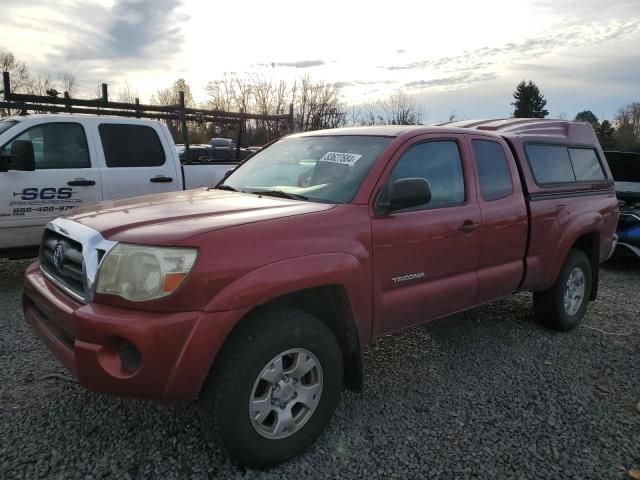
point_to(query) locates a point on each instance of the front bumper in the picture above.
(175, 350)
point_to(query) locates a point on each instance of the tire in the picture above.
(237, 381)
(574, 280)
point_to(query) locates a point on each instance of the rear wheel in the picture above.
(274, 387)
(563, 306)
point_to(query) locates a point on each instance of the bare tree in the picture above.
(126, 94)
(69, 83)
(401, 109)
(221, 94)
(627, 123)
(20, 77)
(319, 106)
(397, 109)
(21, 80)
(42, 84)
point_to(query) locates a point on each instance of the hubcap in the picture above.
(574, 291)
(285, 394)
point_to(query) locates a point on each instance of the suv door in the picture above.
(425, 258)
(64, 179)
(134, 160)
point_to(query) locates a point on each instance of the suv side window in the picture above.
(493, 170)
(440, 164)
(56, 145)
(131, 145)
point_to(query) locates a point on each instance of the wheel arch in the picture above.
(333, 287)
(586, 241)
(331, 305)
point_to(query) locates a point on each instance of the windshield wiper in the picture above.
(225, 187)
(281, 194)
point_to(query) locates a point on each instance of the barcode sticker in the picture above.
(348, 159)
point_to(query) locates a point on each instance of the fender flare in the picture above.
(586, 223)
(277, 279)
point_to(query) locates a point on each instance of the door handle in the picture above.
(468, 226)
(81, 182)
(161, 179)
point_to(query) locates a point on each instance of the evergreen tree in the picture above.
(606, 135)
(588, 116)
(529, 102)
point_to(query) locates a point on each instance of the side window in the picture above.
(56, 145)
(586, 165)
(561, 164)
(131, 145)
(440, 164)
(493, 170)
(550, 164)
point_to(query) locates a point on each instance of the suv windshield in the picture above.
(6, 125)
(318, 168)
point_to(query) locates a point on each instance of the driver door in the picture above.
(425, 258)
(64, 179)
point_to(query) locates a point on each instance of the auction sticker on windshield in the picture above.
(342, 158)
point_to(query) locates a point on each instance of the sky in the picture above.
(458, 57)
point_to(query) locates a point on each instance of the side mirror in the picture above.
(20, 158)
(408, 193)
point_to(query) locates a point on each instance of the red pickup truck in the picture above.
(259, 294)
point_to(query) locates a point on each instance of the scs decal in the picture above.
(47, 193)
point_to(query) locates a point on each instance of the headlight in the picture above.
(140, 273)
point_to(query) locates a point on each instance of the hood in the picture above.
(171, 218)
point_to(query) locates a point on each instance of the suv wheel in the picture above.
(563, 306)
(274, 387)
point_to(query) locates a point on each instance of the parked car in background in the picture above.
(226, 144)
(625, 168)
(203, 153)
(259, 295)
(52, 164)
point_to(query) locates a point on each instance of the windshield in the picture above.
(6, 125)
(319, 168)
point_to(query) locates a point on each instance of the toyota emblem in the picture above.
(58, 256)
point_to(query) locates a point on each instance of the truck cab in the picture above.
(80, 160)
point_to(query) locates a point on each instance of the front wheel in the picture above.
(564, 305)
(274, 387)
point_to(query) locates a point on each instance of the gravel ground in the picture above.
(487, 394)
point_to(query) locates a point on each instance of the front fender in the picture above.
(287, 276)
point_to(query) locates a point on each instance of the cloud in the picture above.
(363, 83)
(133, 30)
(453, 82)
(572, 36)
(300, 63)
(595, 7)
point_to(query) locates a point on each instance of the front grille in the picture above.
(61, 258)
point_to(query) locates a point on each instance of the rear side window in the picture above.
(550, 164)
(493, 170)
(440, 164)
(561, 164)
(586, 165)
(131, 145)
